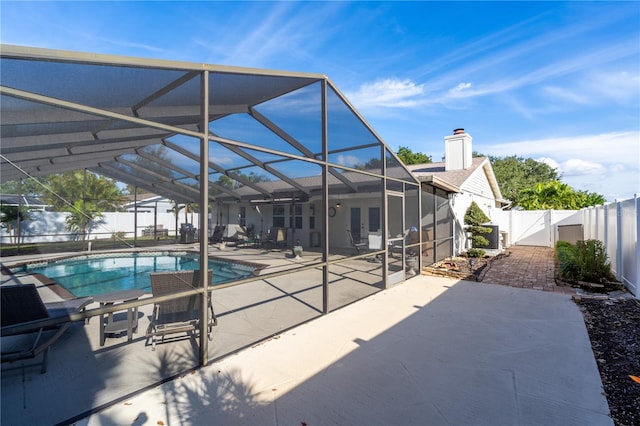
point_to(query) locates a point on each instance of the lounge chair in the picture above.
(358, 245)
(218, 234)
(21, 304)
(180, 314)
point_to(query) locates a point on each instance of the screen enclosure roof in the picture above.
(140, 121)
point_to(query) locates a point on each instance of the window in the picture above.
(374, 219)
(242, 216)
(312, 216)
(295, 216)
(278, 215)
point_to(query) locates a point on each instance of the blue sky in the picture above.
(555, 81)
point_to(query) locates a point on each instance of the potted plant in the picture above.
(297, 250)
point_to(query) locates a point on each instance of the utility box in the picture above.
(493, 237)
(570, 233)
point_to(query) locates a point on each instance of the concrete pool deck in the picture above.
(427, 351)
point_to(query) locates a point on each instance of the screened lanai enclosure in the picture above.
(296, 185)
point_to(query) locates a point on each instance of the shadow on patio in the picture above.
(84, 377)
(430, 351)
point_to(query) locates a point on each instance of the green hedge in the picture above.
(583, 261)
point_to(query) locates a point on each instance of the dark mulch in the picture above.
(614, 330)
(462, 267)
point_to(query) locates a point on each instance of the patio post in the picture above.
(325, 199)
(203, 217)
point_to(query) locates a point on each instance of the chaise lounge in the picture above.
(181, 314)
(22, 304)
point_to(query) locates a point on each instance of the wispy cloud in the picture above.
(614, 147)
(608, 163)
(597, 87)
(284, 32)
(392, 93)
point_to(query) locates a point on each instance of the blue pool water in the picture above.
(93, 275)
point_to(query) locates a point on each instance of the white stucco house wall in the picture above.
(465, 178)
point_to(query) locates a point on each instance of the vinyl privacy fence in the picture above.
(616, 224)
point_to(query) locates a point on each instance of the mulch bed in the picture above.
(464, 268)
(614, 331)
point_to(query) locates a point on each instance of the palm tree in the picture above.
(10, 217)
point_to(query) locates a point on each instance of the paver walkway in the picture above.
(526, 267)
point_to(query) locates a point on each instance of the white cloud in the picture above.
(577, 167)
(562, 93)
(460, 90)
(599, 87)
(348, 160)
(549, 162)
(390, 93)
(608, 164)
(611, 148)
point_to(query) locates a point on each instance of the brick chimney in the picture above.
(457, 151)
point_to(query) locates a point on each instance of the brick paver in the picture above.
(525, 267)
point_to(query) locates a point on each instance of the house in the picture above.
(25, 201)
(465, 179)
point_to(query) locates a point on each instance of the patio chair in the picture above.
(218, 233)
(180, 314)
(281, 237)
(358, 245)
(276, 237)
(20, 304)
(375, 244)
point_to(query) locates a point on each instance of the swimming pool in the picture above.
(98, 274)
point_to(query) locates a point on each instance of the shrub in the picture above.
(476, 252)
(584, 261)
(475, 217)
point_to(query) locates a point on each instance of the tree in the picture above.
(67, 188)
(9, 218)
(533, 185)
(407, 156)
(515, 174)
(547, 195)
(28, 186)
(558, 196)
(83, 218)
(474, 217)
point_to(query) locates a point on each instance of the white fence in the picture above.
(51, 226)
(617, 225)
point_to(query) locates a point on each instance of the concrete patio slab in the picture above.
(429, 351)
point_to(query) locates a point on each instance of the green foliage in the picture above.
(477, 237)
(83, 218)
(515, 174)
(533, 185)
(558, 196)
(9, 217)
(584, 261)
(475, 252)
(475, 217)
(31, 186)
(235, 178)
(407, 156)
(99, 193)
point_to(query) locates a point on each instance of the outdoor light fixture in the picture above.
(337, 205)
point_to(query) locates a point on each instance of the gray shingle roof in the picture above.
(452, 177)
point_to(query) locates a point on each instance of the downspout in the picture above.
(460, 236)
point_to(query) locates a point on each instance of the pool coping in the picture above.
(63, 293)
